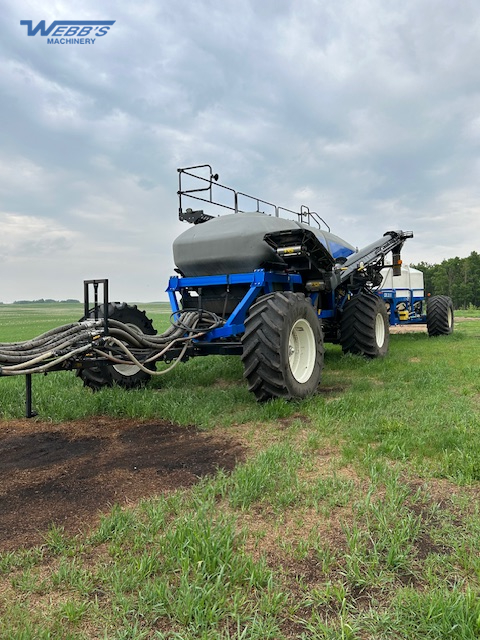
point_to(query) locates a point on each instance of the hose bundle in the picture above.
(68, 344)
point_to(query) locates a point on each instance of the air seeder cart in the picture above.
(263, 282)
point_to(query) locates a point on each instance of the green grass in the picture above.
(468, 313)
(355, 515)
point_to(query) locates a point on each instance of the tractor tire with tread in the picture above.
(126, 376)
(364, 327)
(282, 347)
(439, 316)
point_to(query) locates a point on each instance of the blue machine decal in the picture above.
(339, 251)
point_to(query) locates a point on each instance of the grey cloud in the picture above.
(368, 110)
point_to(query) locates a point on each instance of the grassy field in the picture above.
(355, 516)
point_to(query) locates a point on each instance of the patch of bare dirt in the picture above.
(69, 474)
(409, 328)
(420, 328)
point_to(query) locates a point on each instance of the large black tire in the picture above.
(364, 327)
(439, 316)
(282, 347)
(126, 376)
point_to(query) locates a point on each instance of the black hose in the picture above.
(47, 339)
(69, 338)
(57, 345)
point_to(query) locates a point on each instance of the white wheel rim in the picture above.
(379, 330)
(128, 370)
(301, 351)
(449, 318)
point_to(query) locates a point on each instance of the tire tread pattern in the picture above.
(439, 316)
(265, 327)
(357, 327)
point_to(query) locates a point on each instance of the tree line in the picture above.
(458, 278)
(44, 300)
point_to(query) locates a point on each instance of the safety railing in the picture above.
(202, 184)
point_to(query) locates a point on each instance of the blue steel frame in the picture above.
(260, 281)
(409, 297)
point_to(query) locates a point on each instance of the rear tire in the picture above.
(439, 316)
(282, 347)
(364, 327)
(125, 375)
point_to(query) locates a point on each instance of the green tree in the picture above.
(458, 278)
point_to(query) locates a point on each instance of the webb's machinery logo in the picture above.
(70, 31)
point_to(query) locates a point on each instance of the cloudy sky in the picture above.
(368, 111)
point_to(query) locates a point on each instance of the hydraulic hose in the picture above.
(134, 360)
(51, 336)
(81, 339)
(59, 344)
(7, 371)
(52, 332)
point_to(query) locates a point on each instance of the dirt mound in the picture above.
(68, 474)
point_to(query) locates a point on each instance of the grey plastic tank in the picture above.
(234, 244)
